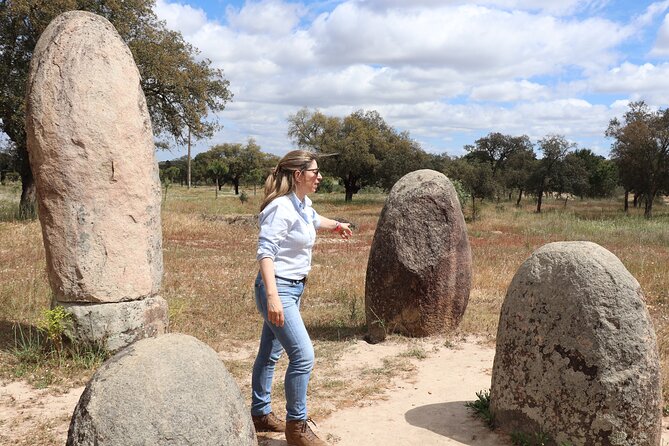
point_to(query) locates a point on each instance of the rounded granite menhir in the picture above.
(92, 154)
(419, 269)
(576, 354)
(169, 390)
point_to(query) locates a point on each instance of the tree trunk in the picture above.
(648, 208)
(217, 188)
(349, 193)
(520, 196)
(473, 208)
(236, 184)
(188, 168)
(635, 203)
(351, 187)
(627, 197)
(539, 198)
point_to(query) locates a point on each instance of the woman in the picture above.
(288, 226)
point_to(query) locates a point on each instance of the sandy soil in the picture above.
(426, 408)
(429, 411)
(28, 412)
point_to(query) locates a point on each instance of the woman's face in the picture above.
(308, 179)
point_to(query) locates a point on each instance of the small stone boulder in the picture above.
(116, 325)
(419, 269)
(576, 353)
(169, 390)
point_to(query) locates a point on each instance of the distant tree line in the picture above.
(367, 151)
(362, 150)
(230, 163)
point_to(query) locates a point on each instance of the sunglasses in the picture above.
(315, 171)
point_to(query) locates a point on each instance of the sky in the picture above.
(446, 71)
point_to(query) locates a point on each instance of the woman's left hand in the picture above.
(344, 230)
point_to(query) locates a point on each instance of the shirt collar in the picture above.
(299, 204)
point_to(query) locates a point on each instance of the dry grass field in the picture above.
(210, 267)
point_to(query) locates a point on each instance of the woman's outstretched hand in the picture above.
(344, 230)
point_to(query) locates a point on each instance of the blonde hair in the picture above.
(280, 182)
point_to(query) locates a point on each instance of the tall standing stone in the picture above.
(419, 269)
(576, 351)
(92, 154)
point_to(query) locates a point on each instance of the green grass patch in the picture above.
(36, 358)
(481, 407)
(415, 352)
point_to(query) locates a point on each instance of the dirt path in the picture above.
(30, 416)
(425, 409)
(429, 411)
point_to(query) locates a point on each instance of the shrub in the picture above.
(55, 324)
(463, 195)
(481, 407)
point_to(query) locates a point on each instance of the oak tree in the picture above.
(641, 151)
(360, 149)
(554, 149)
(181, 89)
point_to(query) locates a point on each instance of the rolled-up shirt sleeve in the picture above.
(274, 224)
(316, 219)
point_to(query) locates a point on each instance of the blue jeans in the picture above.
(294, 339)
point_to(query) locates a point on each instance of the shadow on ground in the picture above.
(455, 421)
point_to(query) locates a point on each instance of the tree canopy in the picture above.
(496, 148)
(233, 163)
(641, 151)
(181, 89)
(602, 174)
(360, 149)
(546, 176)
(498, 164)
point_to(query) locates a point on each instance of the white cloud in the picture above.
(661, 47)
(357, 85)
(561, 7)
(181, 16)
(430, 121)
(648, 16)
(442, 69)
(510, 91)
(647, 81)
(265, 17)
(469, 39)
(471, 43)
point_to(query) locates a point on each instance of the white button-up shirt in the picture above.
(287, 234)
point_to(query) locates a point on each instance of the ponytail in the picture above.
(281, 181)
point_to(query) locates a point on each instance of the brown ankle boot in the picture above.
(268, 423)
(298, 433)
